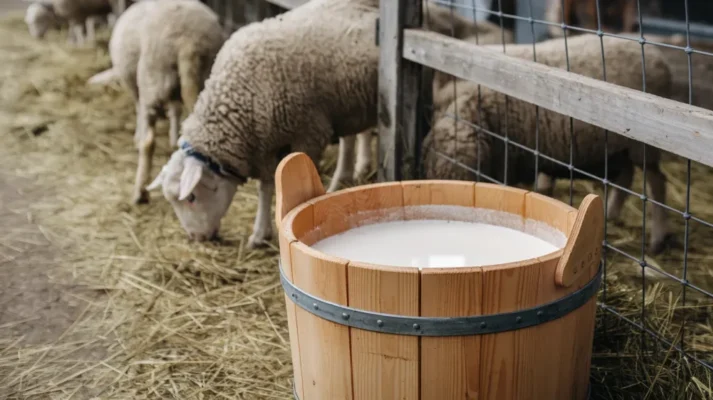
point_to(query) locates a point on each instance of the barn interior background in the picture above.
(160, 318)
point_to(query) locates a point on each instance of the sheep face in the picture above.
(39, 19)
(199, 197)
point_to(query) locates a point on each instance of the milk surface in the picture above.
(434, 243)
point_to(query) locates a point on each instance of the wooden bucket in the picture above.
(520, 330)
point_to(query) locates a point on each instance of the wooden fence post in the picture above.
(399, 87)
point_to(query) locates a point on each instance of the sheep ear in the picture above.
(158, 182)
(191, 175)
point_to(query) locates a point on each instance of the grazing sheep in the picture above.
(437, 19)
(40, 18)
(164, 66)
(43, 15)
(288, 83)
(82, 14)
(461, 141)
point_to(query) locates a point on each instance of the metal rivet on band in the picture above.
(345, 316)
(380, 323)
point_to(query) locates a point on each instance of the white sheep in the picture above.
(288, 83)
(80, 14)
(40, 18)
(162, 51)
(462, 141)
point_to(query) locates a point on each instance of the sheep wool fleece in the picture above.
(289, 83)
(488, 109)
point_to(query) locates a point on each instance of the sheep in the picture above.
(437, 19)
(288, 83)
(461, 141)
(163, 65)
(43, 15)
(78, 13)
(40, 18)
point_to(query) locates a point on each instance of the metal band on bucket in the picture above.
(440, 326)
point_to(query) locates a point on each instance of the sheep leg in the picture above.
(545, 184)
(146, 147)
(262, 229)
(617, 197)
(139, 126)
(174, 116)
(78, 30)
(71, 35)
(131, 84)
(660, 232)
(90, 23)
(111, 19)
(345, 162)
(189, 72)
(363, 163)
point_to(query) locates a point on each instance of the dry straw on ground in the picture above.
(179, 320)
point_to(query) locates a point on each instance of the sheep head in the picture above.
(40, 17)
(199, 197)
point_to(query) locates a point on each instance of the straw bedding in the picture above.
(176, 319)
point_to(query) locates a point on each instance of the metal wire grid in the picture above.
(679, 344)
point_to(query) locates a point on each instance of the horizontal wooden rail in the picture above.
(667, 124)
(287, 4)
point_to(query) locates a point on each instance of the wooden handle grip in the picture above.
(584, 246)
(297, 181)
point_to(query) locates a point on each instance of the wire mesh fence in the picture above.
(654, 333)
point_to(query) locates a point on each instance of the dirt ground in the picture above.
(37, 301)
(32, 306)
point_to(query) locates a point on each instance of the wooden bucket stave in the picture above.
(333, 360)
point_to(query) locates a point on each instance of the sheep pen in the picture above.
(169, 318)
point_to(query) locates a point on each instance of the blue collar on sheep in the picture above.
(212, 165)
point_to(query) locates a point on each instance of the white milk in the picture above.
(434, 243)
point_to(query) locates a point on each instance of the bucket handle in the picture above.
(584, 245)
(296, 181)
